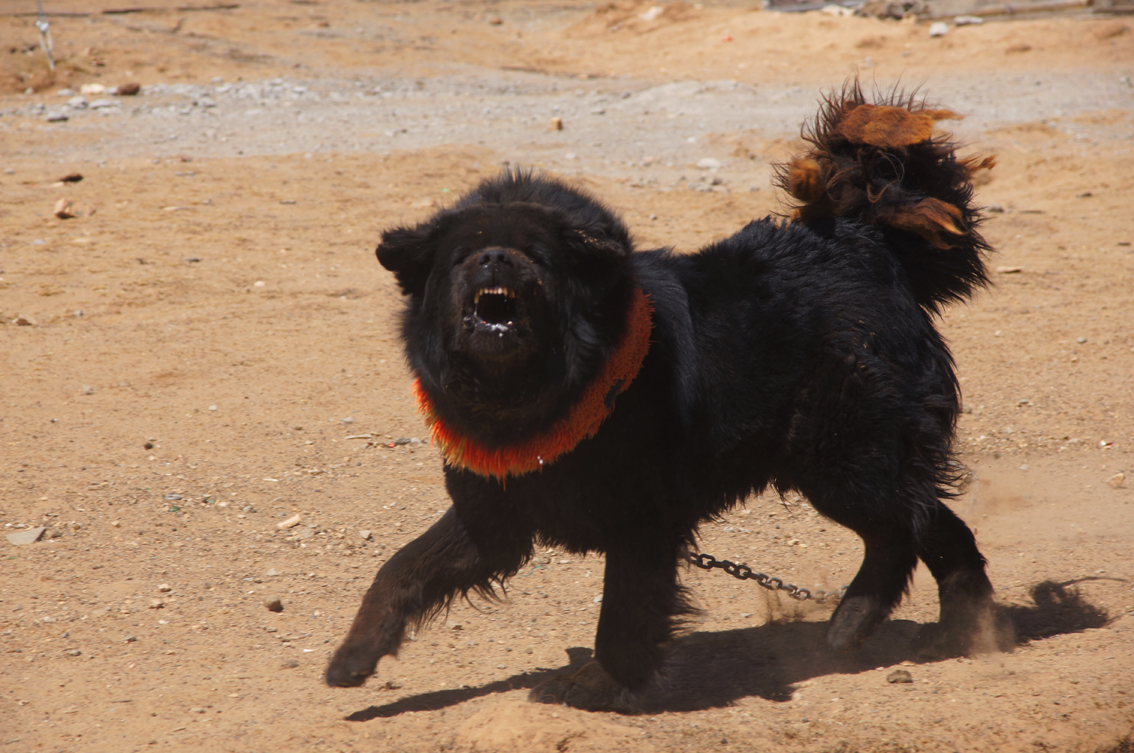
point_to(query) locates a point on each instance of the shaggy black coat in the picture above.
(796, 354)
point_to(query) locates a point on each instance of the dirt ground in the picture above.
(208, 348)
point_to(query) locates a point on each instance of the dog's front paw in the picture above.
(351, 665)
(591, 688)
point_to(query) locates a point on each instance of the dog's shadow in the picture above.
(712, 670)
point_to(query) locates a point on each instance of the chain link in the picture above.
(744, 572)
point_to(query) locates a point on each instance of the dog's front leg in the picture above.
(417, 581)
(641, 605)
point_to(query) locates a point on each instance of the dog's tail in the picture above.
(880, 163)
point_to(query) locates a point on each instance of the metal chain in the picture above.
(744, 572)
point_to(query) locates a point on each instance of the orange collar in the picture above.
(581, 422)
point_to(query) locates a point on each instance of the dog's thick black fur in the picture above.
(799, 353)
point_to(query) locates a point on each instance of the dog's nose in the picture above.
(495, 256)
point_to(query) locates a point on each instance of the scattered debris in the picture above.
(65, 209)
(30, 536)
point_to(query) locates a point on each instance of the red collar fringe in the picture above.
(581, 422)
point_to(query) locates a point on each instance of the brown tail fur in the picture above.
(879, 163)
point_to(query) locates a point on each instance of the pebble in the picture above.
(165, 588)
(967, 20)
(365, 535)
(77, 103)
(938, 29)
(273, 604)
(57, 117)
(899, 676)
(1117, 480)
(128, 89)
(102, 104)
(555, 124)
(64, 209)
(73, 652)
(92, 89)
(30, 536)
(1009, 270)
(306, 533)
(291, 522)
(272, 572)
(708, 163)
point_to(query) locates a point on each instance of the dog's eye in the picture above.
(538, 254)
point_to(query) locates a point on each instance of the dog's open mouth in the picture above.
(495, 308)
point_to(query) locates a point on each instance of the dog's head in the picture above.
(515, 295)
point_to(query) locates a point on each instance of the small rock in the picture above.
(92, 89)
(291, 522)
(129, 89)
(23, 321)
(967, 20)
(306, 533)
(899, 676)
(273, 604)
(30, 536)
(1117, 480)
(157, 604)
(365, 535)
(65, 209)
(708, 163)
(938, 29)
(57, 117)
(104, 103)
(272, 573)
(165, 588)
(1009, 270)
(130, 639)
(289, 664)
(77, 103)
(73, 652)
(88, 390)
(555, 124)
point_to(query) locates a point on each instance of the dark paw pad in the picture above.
(589, 689)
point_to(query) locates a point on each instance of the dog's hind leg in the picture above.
(882, 579)
(949, 550)
(419, 580)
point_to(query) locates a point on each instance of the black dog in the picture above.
(600, 400)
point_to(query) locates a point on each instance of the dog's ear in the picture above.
(597, 252)
(408, 253)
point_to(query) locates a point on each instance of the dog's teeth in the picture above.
(493, 291)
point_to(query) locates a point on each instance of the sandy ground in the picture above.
(208, 348)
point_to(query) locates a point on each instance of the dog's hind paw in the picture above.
(986, 632)
(590, 688)
(854, 621)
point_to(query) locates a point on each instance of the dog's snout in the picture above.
(495, 256)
